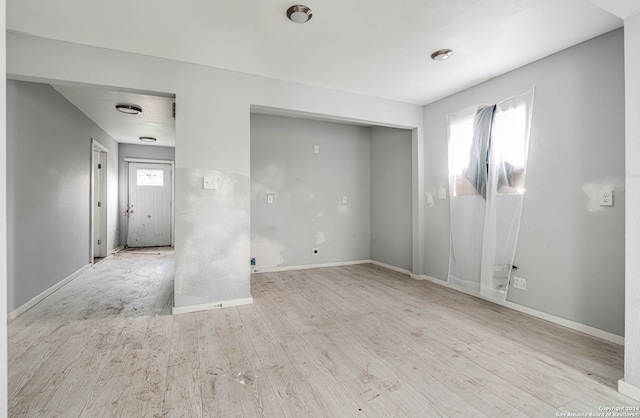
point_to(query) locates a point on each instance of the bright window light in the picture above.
(509, 131)
(460, 138)
(150, 177)
(508, 144)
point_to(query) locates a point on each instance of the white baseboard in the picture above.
(211, 305)
(576, 326)
(116, 250)
(33, 302)
(308, 266)
(390, 267)
(629, 390)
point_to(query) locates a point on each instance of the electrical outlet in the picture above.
(606, 197)
(519, 283)
(210, 183)
(270, 198)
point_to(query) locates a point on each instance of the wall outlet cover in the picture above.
(606, 197)
(519, 283)
(210, 183)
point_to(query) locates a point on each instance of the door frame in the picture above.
(104, 193)
(171, 163)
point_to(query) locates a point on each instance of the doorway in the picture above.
(150, 203)
(99, 193)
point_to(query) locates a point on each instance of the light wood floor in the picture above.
(357, 341)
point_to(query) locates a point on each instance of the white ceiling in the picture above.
(156, 119)
(373, 47)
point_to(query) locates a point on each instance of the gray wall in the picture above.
(48, 179)
(570, 250)
(391, 220)
(307, 211)
(149, 152)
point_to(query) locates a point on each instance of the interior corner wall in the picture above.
(307, 188)
(570, 249)
(391, 197)
(149, 152)
(632, 108)
(48, 187)
(212, 139)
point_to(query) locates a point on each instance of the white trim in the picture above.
(629, 390)
(173, 192)
(308, 266)
(145, 160)
(116, 250)
(212, 305)
(390, 267)
(39, 298)
(97, 146)
(576, 326)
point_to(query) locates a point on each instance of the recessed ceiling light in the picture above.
(442, 55)
(129, 109)
(147, 139)
(299, 13)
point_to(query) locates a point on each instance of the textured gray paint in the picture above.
(391, 197)
(571, 251)
(307, 211)
(48, 179)
(221, 245)
(135, 151)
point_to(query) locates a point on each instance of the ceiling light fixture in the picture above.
(442, 55)
(129, 109)
(299, 13)
(147, 139)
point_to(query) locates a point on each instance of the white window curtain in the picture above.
(488, 147)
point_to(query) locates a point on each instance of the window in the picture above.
(507, 147)
(460, 139)
(509, 139)
(150, 177)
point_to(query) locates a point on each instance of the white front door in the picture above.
(149, 205)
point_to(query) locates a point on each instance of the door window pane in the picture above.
(150, 177)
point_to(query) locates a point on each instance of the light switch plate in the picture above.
(316, 149)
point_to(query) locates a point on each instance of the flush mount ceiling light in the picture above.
(442, 55)
(299, 13)
(147, 139)
(129, 109)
